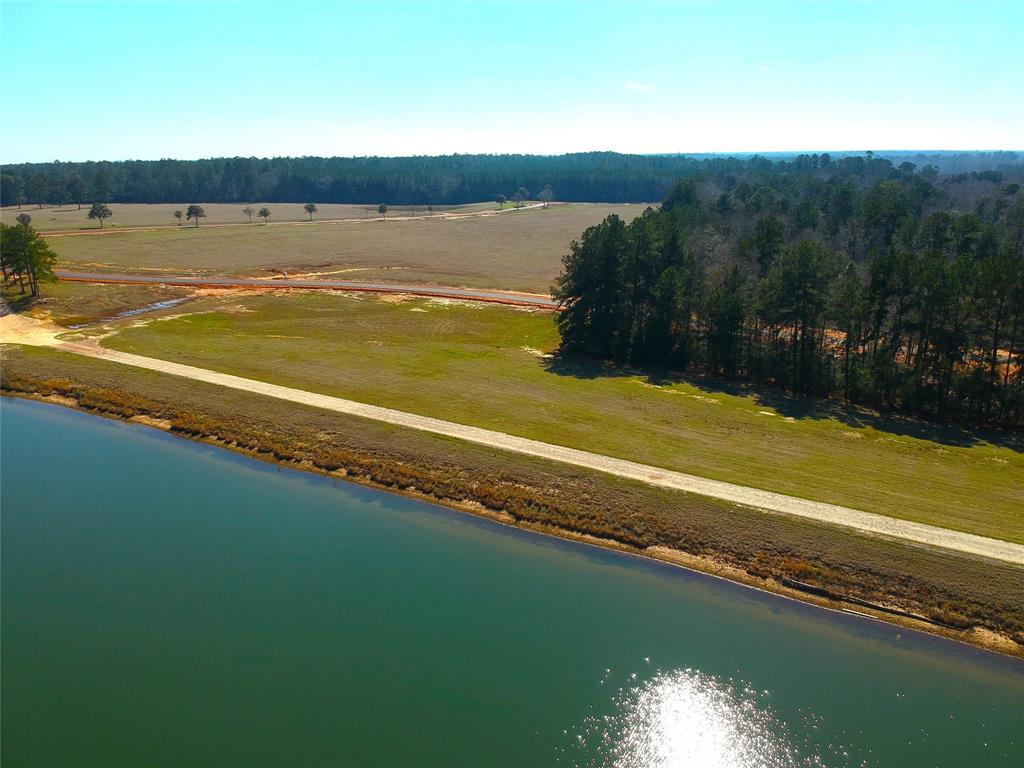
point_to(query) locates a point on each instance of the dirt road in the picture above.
(24, 331)
(537, 300)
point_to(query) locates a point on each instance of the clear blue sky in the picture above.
(89, 80)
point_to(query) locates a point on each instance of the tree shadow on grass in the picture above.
(17, 302)
(794, 407)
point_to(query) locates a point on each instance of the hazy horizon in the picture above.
(157, 80)
(737, 154)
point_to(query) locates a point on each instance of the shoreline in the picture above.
(976, 637)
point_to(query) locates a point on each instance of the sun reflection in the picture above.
(688, 718)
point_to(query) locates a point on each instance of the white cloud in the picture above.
(640, 87)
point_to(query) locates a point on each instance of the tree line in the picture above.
(897, 294)
(446, 180)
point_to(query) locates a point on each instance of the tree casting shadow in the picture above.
(791, 406)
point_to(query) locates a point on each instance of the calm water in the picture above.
(168, 604)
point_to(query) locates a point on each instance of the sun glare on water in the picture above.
(686, 718)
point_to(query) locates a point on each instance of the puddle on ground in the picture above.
(166, 304)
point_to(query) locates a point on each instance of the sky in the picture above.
(146, 80)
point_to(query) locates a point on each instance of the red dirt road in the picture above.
(537, 301)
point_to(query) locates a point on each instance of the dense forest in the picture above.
(891, 286)
(447, 180)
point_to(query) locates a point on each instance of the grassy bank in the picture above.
(743, 544)
(486, 366)
(518, 250)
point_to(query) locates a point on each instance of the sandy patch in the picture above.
(202, 293)
(990, 639)
(346, 270)
(70, 402)
(536, 352)
(442, 302)
(353, 295)
(120, 326)
(233, 309)
(704, 399)
(790, 419)
(18, 329)
(696, 562)
(670, 391)
(648, 385)
(149, 421)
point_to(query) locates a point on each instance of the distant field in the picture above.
(520, 250)
(50, 218)
(485, 366)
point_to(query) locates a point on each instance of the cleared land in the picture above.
(520, 250)
(67, 217)
(486, 366)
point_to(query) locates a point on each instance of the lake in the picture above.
(167, 603)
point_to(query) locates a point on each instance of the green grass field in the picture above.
(519, 250)
(485, 365)
(51, 218)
